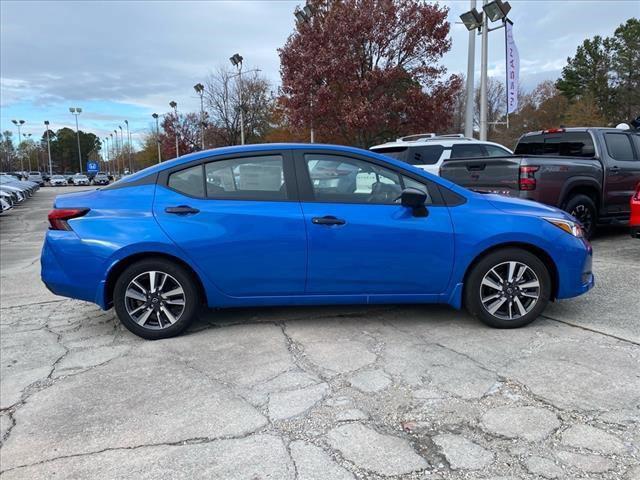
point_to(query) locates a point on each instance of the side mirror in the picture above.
(414, 199)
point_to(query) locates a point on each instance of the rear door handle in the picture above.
(328, 220)
(181, 210)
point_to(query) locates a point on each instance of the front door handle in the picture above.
(614, 170)
(181, 210)
(328, 220)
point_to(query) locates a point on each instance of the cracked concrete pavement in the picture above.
(403, 392)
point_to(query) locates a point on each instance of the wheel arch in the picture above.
(123, 263)
(534, 249)
(582, 186)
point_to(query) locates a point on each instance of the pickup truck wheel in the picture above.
(584, 210)
(508, 288)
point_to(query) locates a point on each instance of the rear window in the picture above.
(415, 155)
(564, 144)
(463, 150)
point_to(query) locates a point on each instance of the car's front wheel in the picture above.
(156, 298)
(508, 288)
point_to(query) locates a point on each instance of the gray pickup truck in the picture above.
(589, 172)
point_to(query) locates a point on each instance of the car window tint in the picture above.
(619, 146)
(426, 155)
(411, 183)
(562, 144)
(495, 151)
(462, 150)
(188, 181)
(340, 179)
(247, 178)
(399, 153)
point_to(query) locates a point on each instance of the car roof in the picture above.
(440, 141)
(262, 147)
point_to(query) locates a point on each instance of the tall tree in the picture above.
(362, 71)
(226, 94)
(7, 151)
(496, 104)
(625, 63)
(64, 148)
(187, 129)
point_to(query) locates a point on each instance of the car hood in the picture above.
(520, 206)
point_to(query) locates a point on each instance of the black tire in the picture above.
(156, 325)
(499, 259)
(584, 210)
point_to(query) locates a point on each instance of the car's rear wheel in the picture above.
(584, 210)
(508, 288)
(156, 298)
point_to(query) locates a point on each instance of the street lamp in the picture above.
(236, 61)
(117, 152)
(199, 88)
(155, 115)
(173, 104)
(19, 123)
(75, 111)
(126, 122)
(122, 148)
(496, 10)
(46, 122)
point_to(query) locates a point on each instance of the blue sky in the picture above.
(126, 60)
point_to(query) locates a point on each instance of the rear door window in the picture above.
(495, 151)
(247, 178)
(188, 181)
(563, 144)
(462, 150)
(619, 146)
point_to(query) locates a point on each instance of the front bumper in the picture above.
(575, 275)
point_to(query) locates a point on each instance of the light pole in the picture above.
(305, 15)
(473, 20)
(46, 122)
(236, 61)
(155, 115)
(122, 149)
(19, 123)
(129, 146)
(173, 104)
(199, 88)
(114, 151)
(75, 111)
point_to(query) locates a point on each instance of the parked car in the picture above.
(79, 179)
(589, 172)
(26, 187)
(305, 225)
(429, 151)
(36, 177)
(101, 178)
(634, 220)
(58, 181)
(4, 205)
(69, 177)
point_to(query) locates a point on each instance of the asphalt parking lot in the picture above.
(411, 392)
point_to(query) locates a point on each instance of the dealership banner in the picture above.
(513, 69)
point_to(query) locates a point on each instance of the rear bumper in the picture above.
(65, 270)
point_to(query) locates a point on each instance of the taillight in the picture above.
(58, 217)
(528, 177)
(554, 130)
(637, 195)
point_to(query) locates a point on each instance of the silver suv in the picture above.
(429, 151)
(36, 177)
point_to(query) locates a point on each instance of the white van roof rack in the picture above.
(425, 137)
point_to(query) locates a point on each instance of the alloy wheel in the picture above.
(155, 300)
(583, 215)
(509, 290)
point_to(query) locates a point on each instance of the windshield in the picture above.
(58, 177)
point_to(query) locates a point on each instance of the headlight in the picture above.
(568, 226)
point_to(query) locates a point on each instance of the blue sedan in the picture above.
(299, 224)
